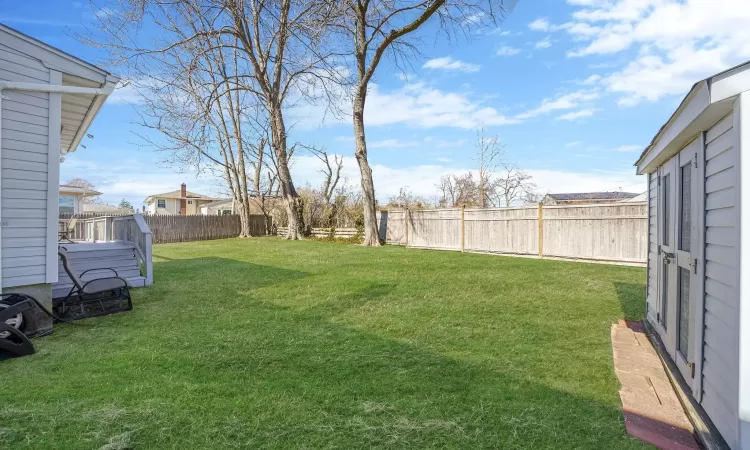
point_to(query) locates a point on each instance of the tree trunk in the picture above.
(244, 219)
(296, 226)
(372, 237)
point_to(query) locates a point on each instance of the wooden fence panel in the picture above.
(509, 230)
(438, 228)
(165, 229)
(391, 226)
(614, 232)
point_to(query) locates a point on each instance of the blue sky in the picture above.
(575, 89)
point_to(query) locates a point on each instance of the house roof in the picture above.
(642, 197)
(93, 207)
(217, 202)
(592, 196)
(176, 195)
(78, 109)
(704, 102)
(68, 189)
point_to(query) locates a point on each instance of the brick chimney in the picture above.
(183, 200)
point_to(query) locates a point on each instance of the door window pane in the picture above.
(666, 210)
(684, 324)
(685, 202)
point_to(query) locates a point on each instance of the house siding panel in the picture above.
(653, 257)
(720, 350)
(24, 147)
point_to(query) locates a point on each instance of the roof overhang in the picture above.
(706, 103)
(77, 190)
(84, 86)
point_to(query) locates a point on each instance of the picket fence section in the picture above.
(339, 233)
(614, 232)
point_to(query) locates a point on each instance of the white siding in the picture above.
(172, 209)
(720, 348)
(653, 257)
(24, 152)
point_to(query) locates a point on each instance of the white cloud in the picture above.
(506, 50)
(414, 104)
(475, 19)
(392, 143)
(448, 63)
(593, 79)
(104, 12)
(125, 93)
(445, 160)
(572, 100)
(628, 148)
(573, 144)
(679, 41)
(544, 43)
(421, 106)
(541, 24)
(577, 114)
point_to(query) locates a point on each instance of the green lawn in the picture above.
(264, 343)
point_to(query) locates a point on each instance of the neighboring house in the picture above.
(698, 294)
(227, 206)
(71, 198)
(640, 198)
(583, 198)
(48, 99)
(104, 209)
(217, 208)
(176, 203)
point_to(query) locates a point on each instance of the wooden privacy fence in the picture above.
(614, 232)
(167, 229)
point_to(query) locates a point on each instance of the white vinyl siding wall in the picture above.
(720, 348)
(653, 257)
(25, 159)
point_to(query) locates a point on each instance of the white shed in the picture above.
(699, 213)
(48, 99)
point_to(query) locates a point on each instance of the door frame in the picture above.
(686, 259)
(671, 259)
(666, 272)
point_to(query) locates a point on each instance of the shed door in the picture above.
(678, 252)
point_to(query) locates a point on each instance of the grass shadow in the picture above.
(632, 298)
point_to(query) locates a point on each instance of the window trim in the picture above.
(159, 202)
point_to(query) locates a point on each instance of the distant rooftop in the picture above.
(593, 196)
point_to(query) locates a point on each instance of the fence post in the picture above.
(463, 233)
(406, 227)
(541, 229)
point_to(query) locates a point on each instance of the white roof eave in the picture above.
(706, 103)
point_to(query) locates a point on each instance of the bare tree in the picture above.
(513, 184)
(448, 190)
(405, 199)
(490, 153)
(86, 184)
(275, 47)
(331, 172)
(382, 26)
